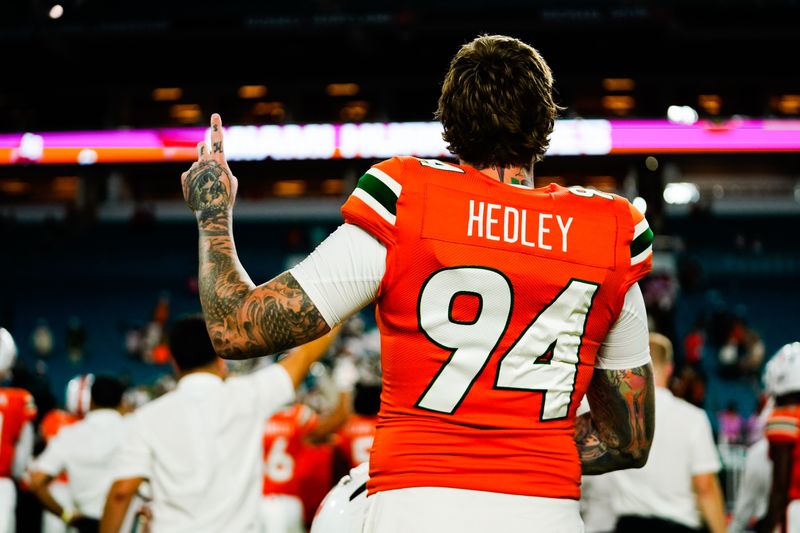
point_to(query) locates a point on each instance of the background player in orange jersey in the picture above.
(495, 302)
(357, 435)
(782, 380)
(17, 411)
(284, 438)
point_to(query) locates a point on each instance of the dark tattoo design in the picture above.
(205, 189)
(243, 320)
(500, 173)
(519, 176)
(619, 430)
(215, 127)
(217, 148)
(202, 149)
(246, 321)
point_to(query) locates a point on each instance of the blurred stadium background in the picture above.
(692, 108)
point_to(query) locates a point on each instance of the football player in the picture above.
(17, 412)
(499, 306)
(284, 437)
(284, 441)
(782, 381)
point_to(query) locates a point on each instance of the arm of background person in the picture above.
(332, 421)
(118, 500)
(618, 431)
(47, 466)
(23, 451)
(708, 495)
(781, 455)
(40, 487)
(299, 360)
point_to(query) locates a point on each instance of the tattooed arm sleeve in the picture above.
(244, 320)
(618, 431)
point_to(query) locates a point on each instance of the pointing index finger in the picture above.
(216, 137)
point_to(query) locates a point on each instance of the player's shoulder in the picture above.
(17, 398)
(597, 201)
(15, 393)
(783, 424)
(404, 170)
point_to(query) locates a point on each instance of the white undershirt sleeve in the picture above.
(627, 344)
(343, 274)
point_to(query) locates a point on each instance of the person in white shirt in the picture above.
(677, 490)
(86, 452)
(199, 446)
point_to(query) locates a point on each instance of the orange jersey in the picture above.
(54, 420)
(16, 409)
(783, 427)
(355, 439)
(315, 472)
(283, 442)
(494, 302)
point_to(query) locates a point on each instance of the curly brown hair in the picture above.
(497, 104)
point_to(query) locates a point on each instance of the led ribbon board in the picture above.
(382, 140)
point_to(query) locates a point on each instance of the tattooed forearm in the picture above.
(619, 430)
(246, 321)
(243, 320)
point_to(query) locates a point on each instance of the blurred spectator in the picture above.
(740, 350)
(76, 339)
(134, 342)
(161, 312)
(155, 349)
(732, 426)
(42, 339)
(694, 342)
(689, 385)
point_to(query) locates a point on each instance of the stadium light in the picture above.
(640, 204)
(56, 11)
(681, 193)
(682, 114)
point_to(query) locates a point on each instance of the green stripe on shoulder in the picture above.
(379, 191)
(641, 242)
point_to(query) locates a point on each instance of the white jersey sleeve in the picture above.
(627, 344)
(343, 274)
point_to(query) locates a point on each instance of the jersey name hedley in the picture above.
(496, 222)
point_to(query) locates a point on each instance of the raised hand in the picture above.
(209, 186)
